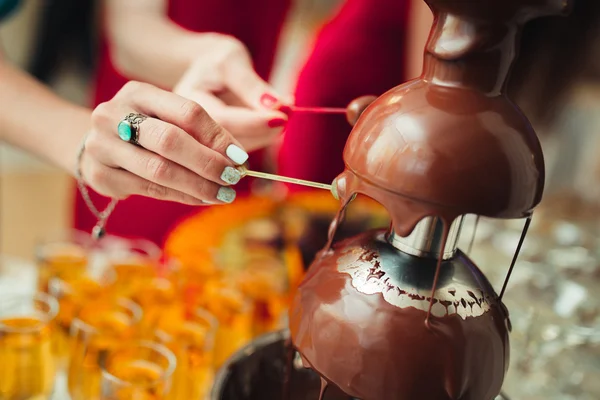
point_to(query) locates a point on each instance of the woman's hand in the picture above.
(223, 81)
(183, 155)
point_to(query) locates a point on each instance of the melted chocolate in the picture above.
(324, 385)
(383, 325)
(436, 278)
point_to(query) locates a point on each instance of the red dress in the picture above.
(358, 52)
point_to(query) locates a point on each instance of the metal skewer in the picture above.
(319, 110)
(272, 177)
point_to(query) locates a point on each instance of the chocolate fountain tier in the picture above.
(359, 320)
(452, 139)
(453, 149)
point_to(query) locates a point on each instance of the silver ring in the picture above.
(129, 127)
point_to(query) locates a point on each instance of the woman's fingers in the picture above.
(169, 156)
(157, 169)
(121, 184)
(241, 79)
(254, 129)
(175, 144)
(249, 129)
(185, 114)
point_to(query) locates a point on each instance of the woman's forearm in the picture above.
(146, 45)
(36, 120)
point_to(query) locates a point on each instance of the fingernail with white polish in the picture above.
(226, 194)
(231, 175)
(236, 154)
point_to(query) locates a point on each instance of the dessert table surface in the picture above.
(553, 298)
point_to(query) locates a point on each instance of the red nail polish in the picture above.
(268, 100)
(276, 122)
(286, 109)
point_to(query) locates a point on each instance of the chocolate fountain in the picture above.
(404, 314)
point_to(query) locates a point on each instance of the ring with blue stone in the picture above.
(129, 127)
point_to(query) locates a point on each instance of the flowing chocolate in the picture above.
(382, 324)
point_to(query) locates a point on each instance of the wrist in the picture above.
(65, 156)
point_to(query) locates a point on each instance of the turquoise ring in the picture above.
(129, 127)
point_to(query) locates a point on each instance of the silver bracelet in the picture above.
(99, 229)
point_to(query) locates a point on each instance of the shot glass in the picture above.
(192, 339)
(100, 327)
(234, 313)
(142, 371)
(265, 283)
(72, 294)
(27, 364)
(134, 262)
(64, 255)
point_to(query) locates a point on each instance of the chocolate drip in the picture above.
(324, 386)
(436, 277)
(339, 218)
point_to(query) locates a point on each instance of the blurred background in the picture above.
(25, 180)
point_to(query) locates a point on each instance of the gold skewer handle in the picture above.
(272, 177)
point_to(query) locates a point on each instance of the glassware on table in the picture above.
(192, 339)
(72, 294)
(264, 281)
(27, 365)
(139, 371)
(65, 255)
(233, 312)
(158, 294)
(134, 262)
(100, 326)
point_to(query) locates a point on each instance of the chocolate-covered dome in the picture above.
(451, 147)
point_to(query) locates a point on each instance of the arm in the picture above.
(38, 121)
(146, 45)
(183, 156)
(211, 69)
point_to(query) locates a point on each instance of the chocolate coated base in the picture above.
(257, 372)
